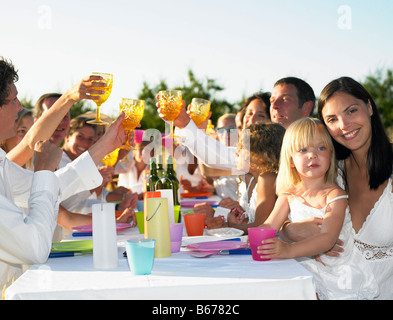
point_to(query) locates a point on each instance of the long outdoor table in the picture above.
(178, 277)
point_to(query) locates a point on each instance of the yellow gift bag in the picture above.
(157, 225)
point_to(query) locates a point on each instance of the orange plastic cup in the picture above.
(195, 223)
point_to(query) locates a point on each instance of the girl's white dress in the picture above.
(248, 205)
(345, 277)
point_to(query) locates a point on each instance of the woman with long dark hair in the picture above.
(365, 169)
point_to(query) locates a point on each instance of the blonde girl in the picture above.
(306, 188)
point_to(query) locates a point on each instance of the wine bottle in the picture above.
(153, 183)
(160, 168)
(171, 175)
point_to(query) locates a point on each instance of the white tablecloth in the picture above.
(180, 277)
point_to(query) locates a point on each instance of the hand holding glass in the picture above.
(199, 110)
(170, 104)
(108, 79)
(255, 237)
(133, 110)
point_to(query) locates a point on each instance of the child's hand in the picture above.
(274, 248)
(235, 216)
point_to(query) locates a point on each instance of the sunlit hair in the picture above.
(38, 109)
(78, 123)
(302, 134)
(264, 144)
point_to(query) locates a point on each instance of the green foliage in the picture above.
(27, 103)
(81, 107)
(380, 87)
(195, 88)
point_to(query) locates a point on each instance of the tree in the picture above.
(27, 103)
(380, 87)
(196, 88)
(81, 107)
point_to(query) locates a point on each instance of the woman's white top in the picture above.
(374, 241)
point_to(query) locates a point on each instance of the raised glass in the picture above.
(170, 104)
(108, 79)
(199, 110)
(133, 109)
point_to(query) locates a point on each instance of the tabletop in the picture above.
(180, 276)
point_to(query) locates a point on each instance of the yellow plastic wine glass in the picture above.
(133, 110)
(108, 79)
(199, 110)
(111, 158)
(170, 104)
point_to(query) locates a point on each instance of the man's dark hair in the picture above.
(304, 91)
(8, 75)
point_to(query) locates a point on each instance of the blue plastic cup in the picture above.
(140, 255)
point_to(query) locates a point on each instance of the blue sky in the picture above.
(246, 45)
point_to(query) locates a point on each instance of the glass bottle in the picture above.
(171, 175)
(160, 168)
(153, 183)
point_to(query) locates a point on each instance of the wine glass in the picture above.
(199, 110)
(108, 79)
(133, 109)
(170, 104)
(111, 158)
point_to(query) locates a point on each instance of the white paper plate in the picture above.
(225, 232)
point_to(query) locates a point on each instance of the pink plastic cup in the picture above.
(255, 237)
(176, 233)
(138, 135)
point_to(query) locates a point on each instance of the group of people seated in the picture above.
(337, 168)
(324, 184)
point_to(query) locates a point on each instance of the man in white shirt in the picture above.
(29, 200)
